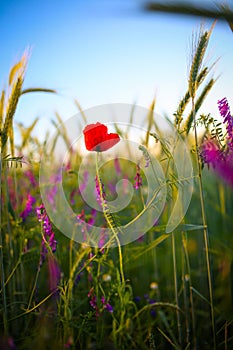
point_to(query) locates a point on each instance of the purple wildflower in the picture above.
(72, 195)
(221, 160)
(85, 181)
(210, 152)
(224, 110)
(149, 301)
(99, 198)
(28, 208)
(106, 305)
(225, 169)
(221, 163)
(91, 220)
(137, 299)
(93, 301)
(103, 301)
(137, 179)
(49, 236)
(82, 223)
(29, 174)
(54, 273)
(81, 218)
(101, 241)
(153, 312)
(51, 194)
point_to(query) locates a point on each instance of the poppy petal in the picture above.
(97, 139)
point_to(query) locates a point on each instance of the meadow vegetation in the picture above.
(162, 291)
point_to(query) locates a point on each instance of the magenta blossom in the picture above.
(221, 160)
(137, 179)
(93, 302)
(29, 174)
(28, 208)
(210, 153)
(98, 191)
(49, 236)
(54, 274)
(224, 110)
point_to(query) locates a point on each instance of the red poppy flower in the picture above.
(97, 139)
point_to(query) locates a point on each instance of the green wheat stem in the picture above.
(184, 242)
(34, 287)
(11, 250)
(205, 229)
(176, 287)
(111, 226)
(5, 322)
(73, 270)
(185, 295)
(12, 272)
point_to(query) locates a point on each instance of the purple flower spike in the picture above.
(210, 152)
(91, 221)
(49, 235)
(29, 174)
(29, 207)
(106, 305)
(221, 160)
(98, 191)
(224, 110)
(109, 308)
(54, 273)
(137, 299)
(137, 179)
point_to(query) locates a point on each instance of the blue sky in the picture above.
(105, 51)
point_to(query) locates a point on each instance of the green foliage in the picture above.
(153, 293)
(218, 12)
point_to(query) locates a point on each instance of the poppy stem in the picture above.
(107, 215)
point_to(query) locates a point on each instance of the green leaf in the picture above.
(191, 10)
(26, 91)
(189, 227)
(152, 245)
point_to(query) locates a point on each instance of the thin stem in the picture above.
(184, 241)
(185, 295)
(113, 229)
(5, 323)
(176, 287)
(205, 229)
(34, 287)
(10, 250)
